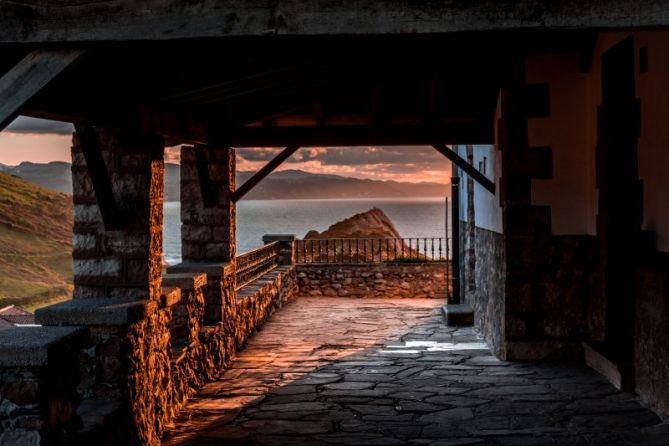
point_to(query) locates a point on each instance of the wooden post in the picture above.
(455, 234)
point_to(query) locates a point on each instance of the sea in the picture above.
(413, 217)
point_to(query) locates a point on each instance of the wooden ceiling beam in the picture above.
(151, 20)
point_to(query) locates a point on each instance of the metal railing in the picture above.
(372, 250)
(256, 263)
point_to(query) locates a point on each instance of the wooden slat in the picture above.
(28, 77)
(262, 173)
(466, 167)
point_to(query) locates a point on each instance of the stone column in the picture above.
(125, 261)
(117, 260)
(207, 209)
(208, 227)
(287, 253)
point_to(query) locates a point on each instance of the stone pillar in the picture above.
(287, 253)
(207, 209)
(117, 260)
(124, 261)
(208, 227)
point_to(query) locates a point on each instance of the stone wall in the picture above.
(652, 335)
(487, 298)
(386, 280)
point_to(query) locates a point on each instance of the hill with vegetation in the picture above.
(35, 244)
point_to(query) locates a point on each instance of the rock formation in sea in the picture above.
(371, 224)
(366, 237)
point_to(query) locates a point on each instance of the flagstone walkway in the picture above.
(327, 371)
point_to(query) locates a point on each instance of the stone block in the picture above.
(211, 269)
(269, 238)
(458, 314)
(30, 346)
(185, 281)
(96, 269)
(193, 251)
(170, 296)
(224, 232)
(87, 312)
(136, 272)
(219, 251)
(196, 233)
(84, 243)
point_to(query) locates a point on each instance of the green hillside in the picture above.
(35, 244)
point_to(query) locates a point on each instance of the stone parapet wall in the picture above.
(262, 298)
(134, 365)
(487, 297)
(384, 280)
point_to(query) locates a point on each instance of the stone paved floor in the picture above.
(388, 372)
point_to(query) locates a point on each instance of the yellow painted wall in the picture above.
(571, 191)
(653, 91)
(571, 132)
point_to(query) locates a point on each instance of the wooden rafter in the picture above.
(262, 173)
(466, 167)
(28, 77)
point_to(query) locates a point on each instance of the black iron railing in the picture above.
(254, 264)
(372, 250)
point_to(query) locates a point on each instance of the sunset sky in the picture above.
(41, 141)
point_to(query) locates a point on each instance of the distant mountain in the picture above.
(296, 184)
(55, 176)
(286, 184)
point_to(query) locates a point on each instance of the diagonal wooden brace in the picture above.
(29, 77)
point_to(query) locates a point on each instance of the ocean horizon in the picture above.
(413, 217)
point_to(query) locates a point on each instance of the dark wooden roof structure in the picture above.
(287, 72)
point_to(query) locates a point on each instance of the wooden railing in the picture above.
(254, 264)
(372, 250)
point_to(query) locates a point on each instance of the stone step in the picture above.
(458, 315)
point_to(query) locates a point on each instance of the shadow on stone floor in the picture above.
(389, 372)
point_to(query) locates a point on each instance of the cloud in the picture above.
(26, 125)
(402, 163)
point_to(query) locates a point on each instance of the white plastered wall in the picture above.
(487, 210)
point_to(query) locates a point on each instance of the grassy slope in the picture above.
(35, 246)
